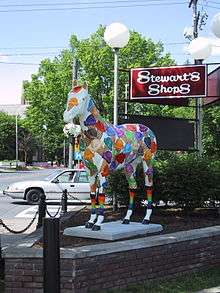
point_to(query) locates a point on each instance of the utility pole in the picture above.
(64, 152)
(72, 138)
(199, 101)
(16, 140)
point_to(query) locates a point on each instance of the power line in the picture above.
(24, 63)
(213, 7)
(213, 2)
(76, 3)
(18, 63)
(33, 47)
(60, 47)
(30, 54)
(93, 7)
(81, 3)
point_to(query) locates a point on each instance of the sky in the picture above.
(31, 30)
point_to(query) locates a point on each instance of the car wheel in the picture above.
(33, 196)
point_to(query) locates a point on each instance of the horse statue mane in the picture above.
(105, 148)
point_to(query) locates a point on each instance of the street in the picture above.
(10, 208)
(8, 178)
(17, 214)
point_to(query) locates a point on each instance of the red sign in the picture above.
(213, 87)
(175, 81)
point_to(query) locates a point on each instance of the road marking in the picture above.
(30, 212)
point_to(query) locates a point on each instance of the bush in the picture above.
(187, 180)
(118, 185)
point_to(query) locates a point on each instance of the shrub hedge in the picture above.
(185, 180)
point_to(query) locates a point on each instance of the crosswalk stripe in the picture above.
(30, 212)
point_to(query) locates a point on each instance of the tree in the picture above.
(47, 94)
(27, 144)
(97, 64)
(26, 141)
(7, 142)
(48, 89)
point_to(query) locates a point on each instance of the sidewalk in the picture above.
(8, 238)
(7, 170)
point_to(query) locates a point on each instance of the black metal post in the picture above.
(64, 203)
(51, 255)
(41, 210)
(2, 262)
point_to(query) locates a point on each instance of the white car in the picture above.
(76, 182)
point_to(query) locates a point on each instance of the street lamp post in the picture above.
(115, 108)
(16, 139)
(72, 138)
(200, 49)
(116, 36)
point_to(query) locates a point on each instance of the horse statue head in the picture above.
(75, 102)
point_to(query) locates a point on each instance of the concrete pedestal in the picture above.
(114, 230)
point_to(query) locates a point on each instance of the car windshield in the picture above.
(52, 175)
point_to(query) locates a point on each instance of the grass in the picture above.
(192, 282)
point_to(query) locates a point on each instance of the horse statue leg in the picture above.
(93, 187)
(132, 189)
(148, 171)
(101, 203)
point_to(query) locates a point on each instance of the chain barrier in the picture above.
(52, 216)
(78, 212)
(73, 197)
(48, 213)
(20, 231)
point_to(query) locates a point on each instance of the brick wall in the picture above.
(120, 269)
(117, 264)
(25, 275)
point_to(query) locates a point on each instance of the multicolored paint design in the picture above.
(105, 148)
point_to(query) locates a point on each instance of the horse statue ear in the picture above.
(74, 83)
(85, 85)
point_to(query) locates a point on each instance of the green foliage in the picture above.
(97, 64)
(118, 185)
(211, 127)
(188, 181)
(26, 142)
(7, 142)
(48, 89)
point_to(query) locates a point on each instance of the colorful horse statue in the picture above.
(106, 148)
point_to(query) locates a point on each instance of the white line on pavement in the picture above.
(30, 212)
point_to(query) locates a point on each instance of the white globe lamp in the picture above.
(116, 36)
(200, 48)
(215, 25)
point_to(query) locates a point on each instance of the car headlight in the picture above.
(13, 188)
